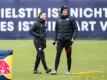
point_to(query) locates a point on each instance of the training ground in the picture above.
(88, 56)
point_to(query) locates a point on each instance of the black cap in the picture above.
(63, 7)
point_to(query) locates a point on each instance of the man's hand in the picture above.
(71, 41)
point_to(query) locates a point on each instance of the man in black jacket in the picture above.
(38, 30)
(65, 32)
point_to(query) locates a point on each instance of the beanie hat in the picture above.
(62, 8)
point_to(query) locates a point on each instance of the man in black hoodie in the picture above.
(65, 32)
(38, 30)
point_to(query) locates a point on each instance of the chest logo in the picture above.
(41, 25)
(60, 20)
(67, 19)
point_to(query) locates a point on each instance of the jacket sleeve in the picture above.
(74, 27)
(32, 31)
(56, 31)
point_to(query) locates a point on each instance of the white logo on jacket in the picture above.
(67, 19)
(60, 20)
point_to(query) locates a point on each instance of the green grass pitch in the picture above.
(87, 55)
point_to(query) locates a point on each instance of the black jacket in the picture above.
(38, 30)
(65, 28)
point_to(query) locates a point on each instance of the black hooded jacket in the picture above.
(66, 28)
(38, 30)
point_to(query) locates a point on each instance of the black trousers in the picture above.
(60, 46)
(40, 55)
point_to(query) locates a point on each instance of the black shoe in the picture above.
(36, 72)
(48, 70)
